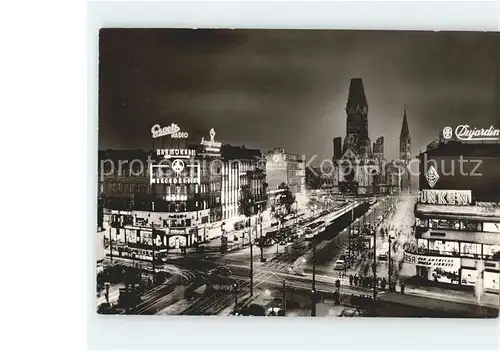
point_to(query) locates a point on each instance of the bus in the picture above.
(314, 229)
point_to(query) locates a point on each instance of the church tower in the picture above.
(405, 141)
(357, 120)
(405, 154)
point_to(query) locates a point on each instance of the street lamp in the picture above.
(235, 287)
(251, 256)
(374, 265)
(390, 262)
(313, 290)
(284, 298)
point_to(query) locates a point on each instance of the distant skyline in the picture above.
(289, 88)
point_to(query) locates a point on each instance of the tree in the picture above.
(246, 201)
(285, 198)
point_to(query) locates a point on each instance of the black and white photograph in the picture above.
(315, 173)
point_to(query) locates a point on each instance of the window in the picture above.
(444, 224)
(422, 246)
(469, 226)
(491, 227)
(443, 247)
(491, 252)
(470, 249)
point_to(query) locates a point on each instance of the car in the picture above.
(220, 271)
(382, 256)
(339, 265)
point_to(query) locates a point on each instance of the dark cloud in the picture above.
(289, 88)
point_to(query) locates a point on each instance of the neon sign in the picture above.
(465, 132)
(173, 130)
(446, 197)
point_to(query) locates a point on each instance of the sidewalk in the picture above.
(114, 293)
(450, 306)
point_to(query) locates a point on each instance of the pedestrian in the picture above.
(356, 279)
(402, 285)
(383, 283)
(351, 278)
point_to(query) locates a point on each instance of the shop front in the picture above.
(456, 270)
(181, 238)
(436, 268)
(471, 273)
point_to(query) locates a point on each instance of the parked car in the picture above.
(339, 265)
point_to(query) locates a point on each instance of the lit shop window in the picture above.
(422, 245)
(491, 227)
(442, 247)
(470, 249)
(470, 226)
(420, 222)
(444, 224)
(491, 252)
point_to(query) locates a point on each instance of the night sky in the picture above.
(284, 88)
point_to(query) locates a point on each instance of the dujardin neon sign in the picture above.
(465, 132)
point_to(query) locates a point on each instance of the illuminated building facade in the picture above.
(288, 168)
(180, 194)
(457, 229)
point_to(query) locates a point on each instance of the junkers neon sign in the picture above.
(173, 130)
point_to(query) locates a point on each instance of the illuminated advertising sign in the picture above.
(432, 261)
(445, 197)
(465, 132)
(211, 147)
(173, 130)
(176, 153)
(176, 180)
(479, 174)
(161, 174)
(177, 231)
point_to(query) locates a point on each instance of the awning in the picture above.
(490, 213)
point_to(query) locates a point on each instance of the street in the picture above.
(195, 287)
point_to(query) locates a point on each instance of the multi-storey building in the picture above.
(457, 229)
(288, 168)
(180, 194)
(241, 167)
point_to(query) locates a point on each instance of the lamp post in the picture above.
(284, 298)
(374, 265)
(349, 236)
(390, 263)
(251, 256)
(313, 291)
(153, 242)
(153, 251)
(260, 238)
(110, 246)
(235, 286)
